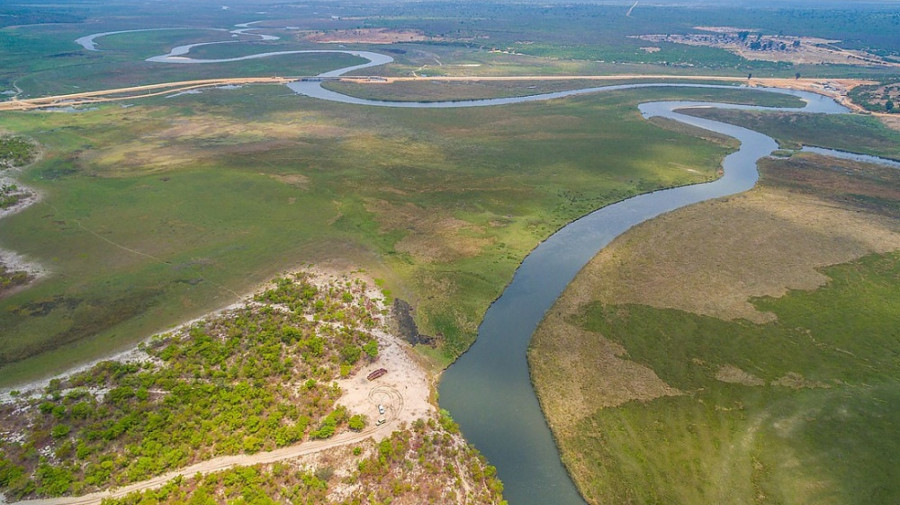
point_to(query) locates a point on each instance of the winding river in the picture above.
(488, 390)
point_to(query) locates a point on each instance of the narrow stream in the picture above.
(488, 390)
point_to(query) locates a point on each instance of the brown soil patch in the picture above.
(297, 180)
(734, 375)
(366, 36)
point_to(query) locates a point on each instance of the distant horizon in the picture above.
(815, 4)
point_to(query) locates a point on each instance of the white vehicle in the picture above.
(380, 408)
(379, 422)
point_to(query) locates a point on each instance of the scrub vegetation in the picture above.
(11, 279)
(425, 463)
(16, 151)
(252, 379)
(707, 366)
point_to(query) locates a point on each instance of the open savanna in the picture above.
(171, 207)
(739, 351)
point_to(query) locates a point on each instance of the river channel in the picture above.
(488, 390)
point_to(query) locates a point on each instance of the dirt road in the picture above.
(132, 92)
(217, 464)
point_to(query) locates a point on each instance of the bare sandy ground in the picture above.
(405, 390)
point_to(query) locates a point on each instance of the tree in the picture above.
(889, 106)
(357, 423)
(797, 75)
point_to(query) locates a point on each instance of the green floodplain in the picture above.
(159, 210)
(162, 211)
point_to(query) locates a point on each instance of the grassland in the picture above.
(167, 209)
(707, 366)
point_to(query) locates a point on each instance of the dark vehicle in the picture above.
(376, 374)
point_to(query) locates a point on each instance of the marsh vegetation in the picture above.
(703, 365)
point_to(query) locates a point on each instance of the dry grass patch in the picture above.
(366, 36)
(605, 377)
(891, 121)
(431, 236)
(711, 258)
(189, 139)
(734, 375)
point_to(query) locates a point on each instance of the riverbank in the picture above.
(652, 384)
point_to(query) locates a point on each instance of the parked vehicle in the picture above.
(376, 374)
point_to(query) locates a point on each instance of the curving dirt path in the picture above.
(218, 464)
(386, 395)
(132, 92)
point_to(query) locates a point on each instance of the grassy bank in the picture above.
(691, 364)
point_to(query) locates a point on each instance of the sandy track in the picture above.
(221, 463)
(132, 92)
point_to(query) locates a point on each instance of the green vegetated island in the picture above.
(714, 379)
